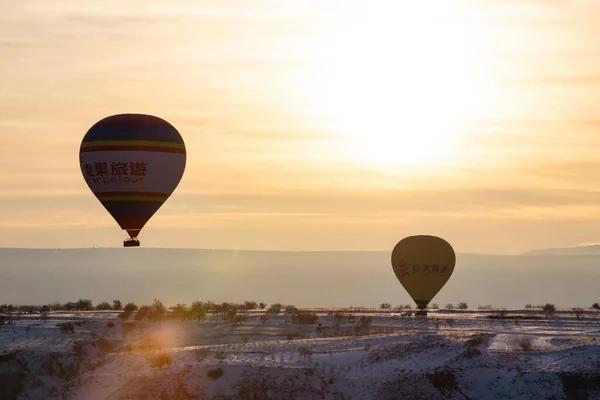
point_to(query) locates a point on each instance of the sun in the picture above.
(397, 80)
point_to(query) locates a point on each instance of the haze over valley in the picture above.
(306, 279)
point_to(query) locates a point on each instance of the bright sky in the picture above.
(311, 125)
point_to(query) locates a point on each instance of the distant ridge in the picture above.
(191, 249)
(573, 251)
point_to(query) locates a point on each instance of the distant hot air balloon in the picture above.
(132, 163)
(423, 264)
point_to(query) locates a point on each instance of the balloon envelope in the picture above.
(132, 163)
(423, 264)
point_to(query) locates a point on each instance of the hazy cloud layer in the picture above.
(244, 83)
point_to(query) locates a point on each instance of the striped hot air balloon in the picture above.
(132, 163)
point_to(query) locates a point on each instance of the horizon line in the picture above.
(271, 250)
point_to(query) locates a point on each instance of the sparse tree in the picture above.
(435, 306)
(198, 311)
(158, 309)
(117, 305)
(596, 306)
(250, 305)
(231, 313)
(275, 308)
(181, 312)
(450, 306)
(44, 313)
(124, 315)
(291, 309)
(103, 306)
(239, 319)
(83, 305)
(300, 317)
(130, 307)
(548, 309)
(577, 311)
(262, 305)
(363, 325)
(143, 312)
(462, 305)
(385, 306)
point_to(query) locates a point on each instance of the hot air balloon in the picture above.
(132, 163)
(423, 264)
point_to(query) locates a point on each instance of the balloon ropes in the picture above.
(423, 264)
(132, 163)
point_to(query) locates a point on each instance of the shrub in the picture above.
(262, 306)
(67, 327)
(548, 309)
(304, 351)
(596, 306)
(385, 306)
(201, 354)
(215, 373)
(263, 318)
(160, 360)
(462, 305)
(435, 306)
(577, 311)
(450, 306)
(221, 356)
(117, 305)
(363, 325)
(525, 344)
(307, 318)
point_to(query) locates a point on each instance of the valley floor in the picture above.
(447, 355)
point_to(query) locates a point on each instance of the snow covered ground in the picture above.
(449, 354)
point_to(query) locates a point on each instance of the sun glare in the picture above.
(397, 80)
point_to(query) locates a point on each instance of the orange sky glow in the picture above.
(311, 125)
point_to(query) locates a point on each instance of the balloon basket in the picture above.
(131, 243)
